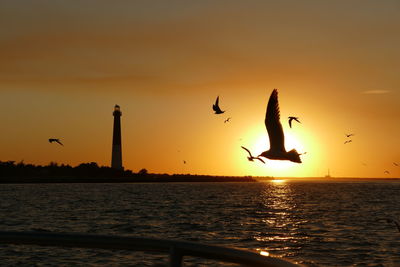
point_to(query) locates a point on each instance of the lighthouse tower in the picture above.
(116, 157)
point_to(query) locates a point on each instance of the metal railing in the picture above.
(176, 249)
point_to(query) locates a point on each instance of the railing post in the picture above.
(175, 257)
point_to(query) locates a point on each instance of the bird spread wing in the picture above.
(273, 124)
(58, 141)
(260, 159)
(215, 106)
(293, 118)
(248, 151)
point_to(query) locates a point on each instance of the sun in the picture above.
(302, 140)
(291, 142)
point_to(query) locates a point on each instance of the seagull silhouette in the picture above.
(216, 107)
(386, 172)
(227, 120)
(395, 164)
(349, 135)
(293, 118)
(277, 149)
(250, 157)
(51, 140)
(348, 141)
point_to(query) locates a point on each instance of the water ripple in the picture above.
(318, 224)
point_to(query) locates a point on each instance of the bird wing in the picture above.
(260, 159)
(215, 106)
(290, 122)
(248, 151)
(58, 141)
(273, 125)
(296, 119)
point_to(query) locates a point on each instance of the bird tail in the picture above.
(294, 156)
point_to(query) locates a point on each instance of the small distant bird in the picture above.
(51, 140)
(216, 107)
(227, 120)
(349, 135)
(250, 157)
(348, 141)
(293, 118)
(386, 172)
(395, 164)
(277, 149)
(184, 162)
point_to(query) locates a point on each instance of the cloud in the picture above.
(376, 92)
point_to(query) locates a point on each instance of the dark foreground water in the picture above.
(314, 223)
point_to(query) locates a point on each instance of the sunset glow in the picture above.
(66, 64)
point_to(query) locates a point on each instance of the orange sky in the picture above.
(65, 64)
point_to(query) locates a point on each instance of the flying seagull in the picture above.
(348, 141)
(277, 149)
(51, 140)
(227, 120)
(349, 135)
(386, 172)
(216, 107)
(293, 118)
(250, 157)
(395, 164)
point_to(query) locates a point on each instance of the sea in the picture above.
(313, 223)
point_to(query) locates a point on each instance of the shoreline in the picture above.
(181, 179)
(58, 180)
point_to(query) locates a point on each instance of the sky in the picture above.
(336, 64)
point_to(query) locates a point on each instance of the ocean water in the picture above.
(313, 223)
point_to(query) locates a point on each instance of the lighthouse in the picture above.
(116, 157)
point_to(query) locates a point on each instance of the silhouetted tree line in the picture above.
(10, 168)
(91, 172)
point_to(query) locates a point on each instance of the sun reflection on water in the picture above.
(277, 181)
(279, 215)
(264, 253)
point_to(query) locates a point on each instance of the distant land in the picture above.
(326, 179)
(11, 172)
(14, 173)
